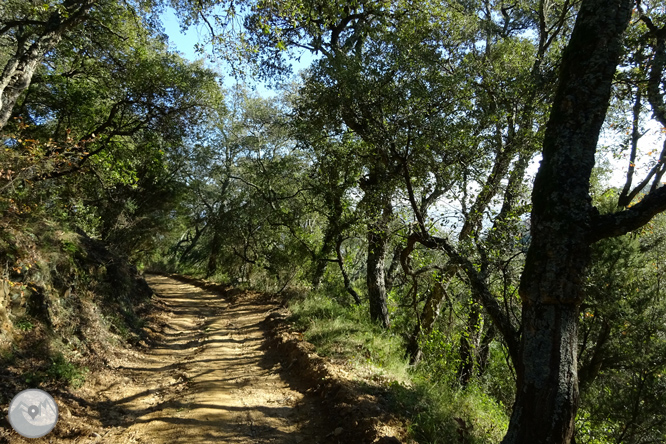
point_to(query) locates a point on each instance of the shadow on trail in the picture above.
(210, 378)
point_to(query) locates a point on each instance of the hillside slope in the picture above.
(65, 302)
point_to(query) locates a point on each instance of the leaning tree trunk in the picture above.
(425, 325)
(469, 343)
(15, 79)
(551, 284)
(345, 276)
(19, 69)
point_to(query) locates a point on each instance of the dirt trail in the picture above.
(234, 390)
(228, 389)
(206, 378)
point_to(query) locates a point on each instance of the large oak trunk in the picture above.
(377, 201)
(14, 80)
(562, 213)
(547, 397)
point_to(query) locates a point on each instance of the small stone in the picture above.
(65, 412)
(338, 431)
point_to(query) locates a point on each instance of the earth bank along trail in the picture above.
(234, 390)
(206, 378)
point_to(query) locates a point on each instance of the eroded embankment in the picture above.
(216, 367)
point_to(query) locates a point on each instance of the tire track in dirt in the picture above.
(221, 386)
(205, 376)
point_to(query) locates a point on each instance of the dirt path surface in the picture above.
(206, 377)
(211, 380)
(223, 386)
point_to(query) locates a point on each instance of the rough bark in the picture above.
(377, 201)
(375, 276)
(562, 214)
(16, 79)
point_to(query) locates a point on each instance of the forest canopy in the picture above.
(482, 180)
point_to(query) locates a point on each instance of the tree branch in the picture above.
(480, 290)
(622, 222)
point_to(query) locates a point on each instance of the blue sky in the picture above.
(184, 42)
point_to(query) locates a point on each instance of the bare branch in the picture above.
(480, 290)
(16, 23)
(625, 196)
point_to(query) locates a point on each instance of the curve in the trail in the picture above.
(209, 380)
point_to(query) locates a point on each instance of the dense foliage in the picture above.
(390, 181)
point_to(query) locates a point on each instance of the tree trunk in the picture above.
(215, 245)
(319, 271)
(19, 69)
(321, 260)
(547, 398)
(375, 277)
(559, 252)
(469, 343)
(589, 370)
(15, 79)
(424, 327)
(193, 243)
(378, 238)
(483, 355)
(392, 271)
(345, 276)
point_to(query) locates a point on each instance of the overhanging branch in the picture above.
(622, 222)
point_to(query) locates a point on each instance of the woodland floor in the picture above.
(208, 374)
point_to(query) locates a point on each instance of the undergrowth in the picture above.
(58, 370)
(438, 410)
(65, 371)
(346, 333)
(64, 299)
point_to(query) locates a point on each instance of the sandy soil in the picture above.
(206, 376)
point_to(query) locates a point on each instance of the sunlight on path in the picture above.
(211, 381)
